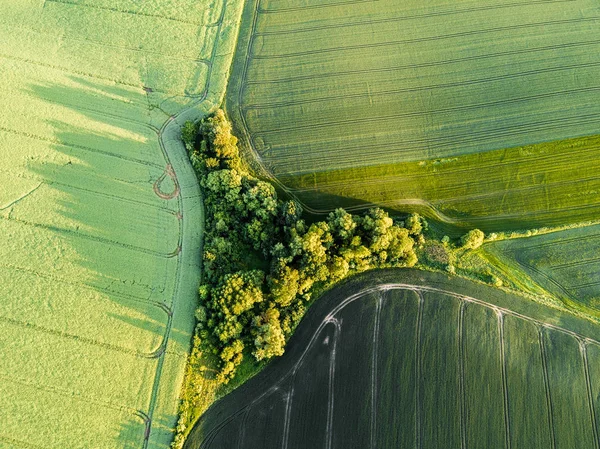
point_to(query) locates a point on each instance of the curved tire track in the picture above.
(286, 371)
(189, 201)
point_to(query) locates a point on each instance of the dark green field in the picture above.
(406, 359)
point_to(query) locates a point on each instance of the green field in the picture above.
(403, 359)
(411, 105)
(100, 213)
(538, 185)
(564, 263)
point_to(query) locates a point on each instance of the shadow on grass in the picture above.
(98, 195)
(445, 219)
(320, 203)
(132, 432)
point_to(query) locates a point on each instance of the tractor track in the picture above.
(176, 157)
(500, 312)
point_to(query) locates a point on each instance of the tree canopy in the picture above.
(262, 261)
(472, 239)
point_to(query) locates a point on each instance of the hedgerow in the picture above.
(262, 261)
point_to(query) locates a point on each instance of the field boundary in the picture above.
(188, 194)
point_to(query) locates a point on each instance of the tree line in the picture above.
(262, 262)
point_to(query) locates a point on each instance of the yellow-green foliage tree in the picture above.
(270, 339)
(248, 227)
(472, 239)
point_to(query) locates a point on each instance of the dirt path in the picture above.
(190, 209)
(169, 172)
(191, 221)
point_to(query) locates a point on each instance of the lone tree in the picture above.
(472, 239)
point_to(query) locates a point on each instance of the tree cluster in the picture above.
(262, 261)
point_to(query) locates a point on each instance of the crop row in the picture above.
(564, 263)
(268, 10)
(382, 9)
(116, 8)
(371, 46)
(255, 79)
(452, 370)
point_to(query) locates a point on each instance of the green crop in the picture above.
(399, 104)
(100, 215)
(401, 358)
(564, 263)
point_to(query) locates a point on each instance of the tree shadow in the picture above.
(115, 227)
(132, 432)
(319, 202)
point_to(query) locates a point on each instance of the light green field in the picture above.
(403, 359)
(100, 213)
(564, 263)
(398, 103)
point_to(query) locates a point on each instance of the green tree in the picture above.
(284, 285)
(472, 239)
(400, 247)
(189, 133)
(270, 340)
(415, 224)
(222, 143)
(238, 292)
(290, 213)
(342, 226)
(356, 255)
(223, 186)
(376, 221)
(338, 268)
(314, 255)
(231, 356)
